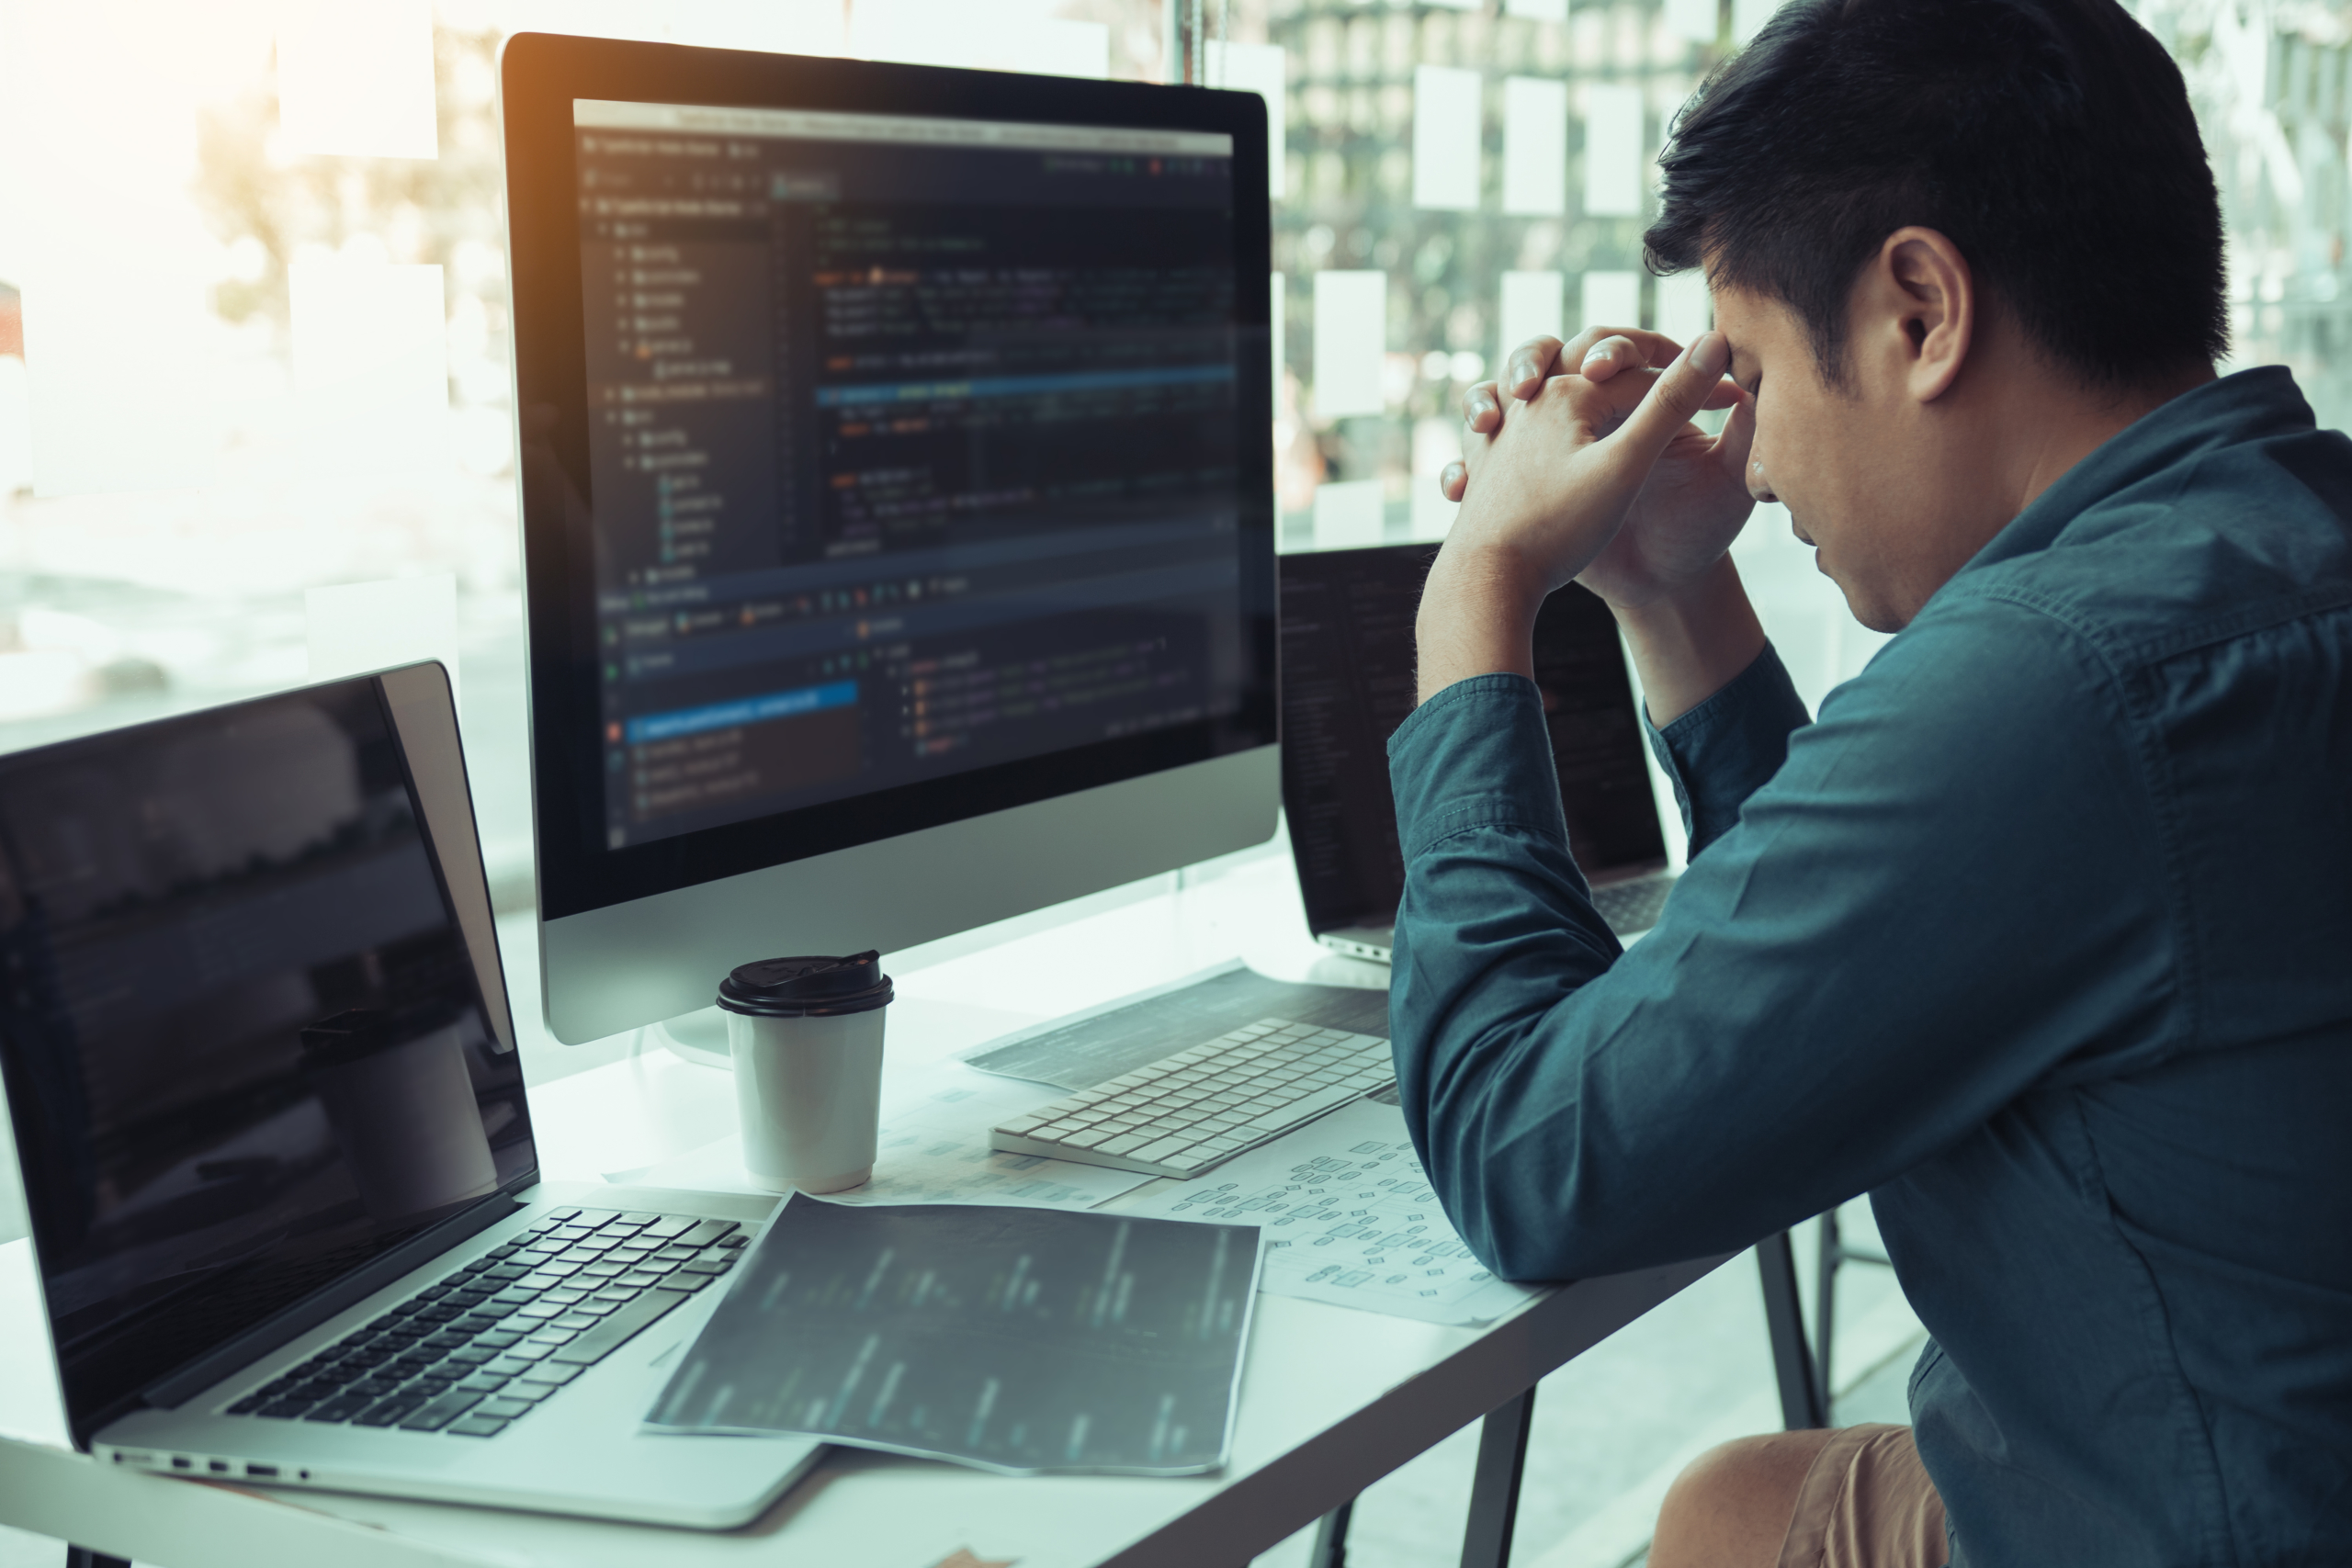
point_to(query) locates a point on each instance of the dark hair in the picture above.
(2051, 141)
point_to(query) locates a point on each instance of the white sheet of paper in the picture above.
(1612, 150)
(933, 1149)
(1748, 16)
(1534, 304)
(787, 26)
(371, 364)
(1349, 1218)
(1610, 299)
(1535, 146)
(1350, 336)
(1259, 68)
(1692, 20)
(1433, 515)
(989, 38)
(1349, 515)
(116, 376)
(359, 627)
(1446, 112)
(354, 78)
(1684, 310)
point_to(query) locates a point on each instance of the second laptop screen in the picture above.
(912, 448)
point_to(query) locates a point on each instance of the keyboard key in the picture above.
(528, 1391)
(707, 1231)
(554, 1374)
(388, 1412)
(484, 1382)
(670, 1225)
(478, 1426)
(503, 1409)
(574, 1320)
(339, 1409)
(431, 1417)
(620, 1329)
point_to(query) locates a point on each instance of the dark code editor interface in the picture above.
(912, 448)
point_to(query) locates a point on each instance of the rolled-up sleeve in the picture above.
(1812, 1012)
(1725, 748)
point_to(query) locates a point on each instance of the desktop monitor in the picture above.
(898, 501)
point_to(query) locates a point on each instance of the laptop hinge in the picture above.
(283, 1327)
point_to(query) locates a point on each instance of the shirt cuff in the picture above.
(1727, 749)
(1476, 755)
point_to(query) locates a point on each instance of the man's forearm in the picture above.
(1689, 646)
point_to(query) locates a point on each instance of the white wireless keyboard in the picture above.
(1190, 1113)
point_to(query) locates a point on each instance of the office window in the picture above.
(253, 304)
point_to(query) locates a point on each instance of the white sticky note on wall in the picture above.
(1349, 515)
(1351, 337)
(1446, 114)
(371, 362)
(1613, 154)
(1263, 69)
(784, 27)
(1748, 16)
(354, 78)
(1610, 300)
(115, 378)
(1684, 310)
(1537, 10)
(1693, 20)
(1534, 304)
(358, 626)
(1535, 146)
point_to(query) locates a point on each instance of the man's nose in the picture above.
(1757, 485)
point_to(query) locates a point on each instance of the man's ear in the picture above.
(1923, 298)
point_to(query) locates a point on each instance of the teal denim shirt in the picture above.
(2041, 935)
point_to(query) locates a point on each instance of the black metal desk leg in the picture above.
(1825, 1303)
(1801, 1402)
(1494, 1490)
(82, 1557)
(1331, 1539)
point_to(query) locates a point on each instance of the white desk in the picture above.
(1332, 1399)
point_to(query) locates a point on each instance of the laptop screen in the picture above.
(1348, 682)
(244, 1045)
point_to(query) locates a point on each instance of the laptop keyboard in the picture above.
(482, 1348)
(1630, 906)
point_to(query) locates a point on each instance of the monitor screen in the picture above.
(915, 451)
(1348, 682)
(244, 1045)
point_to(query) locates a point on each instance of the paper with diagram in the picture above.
(1350, 1218)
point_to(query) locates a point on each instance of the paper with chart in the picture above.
(1014, 1339)
(931, 1149)
(1350, 1218)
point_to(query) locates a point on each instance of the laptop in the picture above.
(278, 1152)
(1348, 682)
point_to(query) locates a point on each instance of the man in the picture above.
(2042, 933)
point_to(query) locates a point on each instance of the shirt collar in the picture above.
(2249, 405)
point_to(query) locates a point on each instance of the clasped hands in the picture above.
(1595, 475)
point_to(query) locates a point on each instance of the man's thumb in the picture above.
(1675, 397)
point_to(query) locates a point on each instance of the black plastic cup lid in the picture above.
(807, 988)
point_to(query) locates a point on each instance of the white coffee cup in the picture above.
(806, 1036)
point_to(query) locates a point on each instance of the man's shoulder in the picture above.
(2233, 544)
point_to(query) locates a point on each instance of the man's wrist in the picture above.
(1691, 643)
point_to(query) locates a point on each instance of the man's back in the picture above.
(2194, 1307)
(2042, 933)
